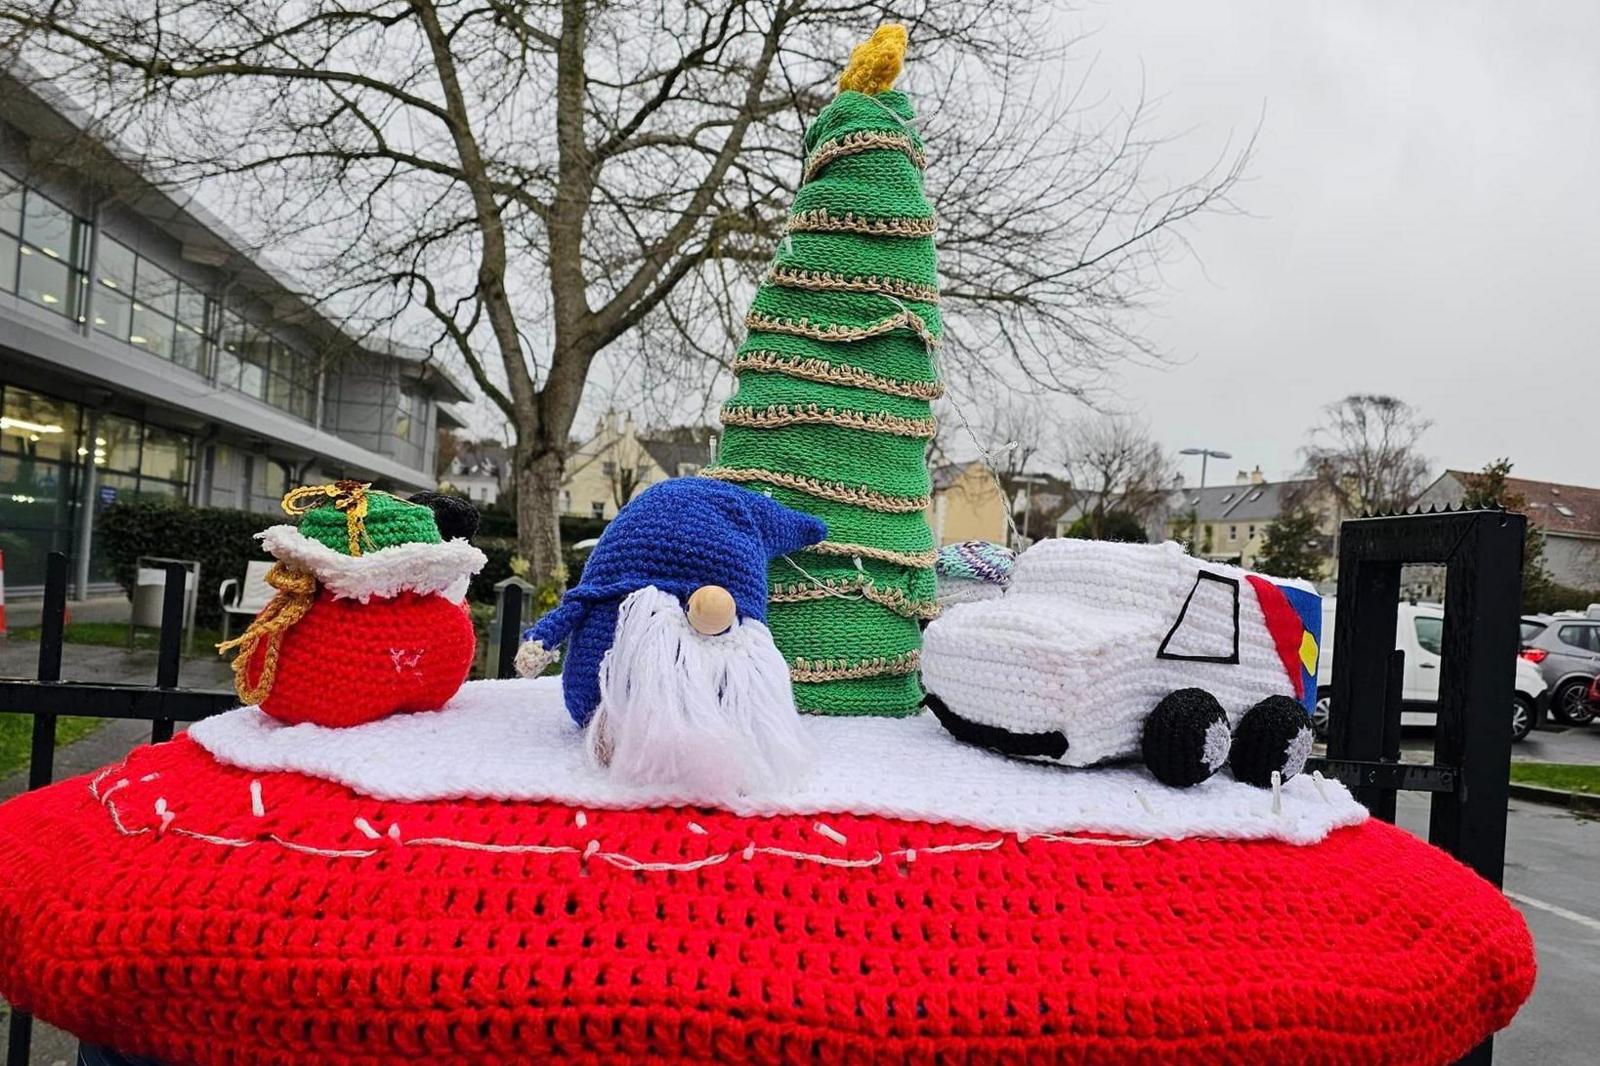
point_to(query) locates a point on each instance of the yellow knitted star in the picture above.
(875, 64)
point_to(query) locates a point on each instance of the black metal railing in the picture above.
(48, 697)
(1482, 551)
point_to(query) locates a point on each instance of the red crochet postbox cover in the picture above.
(176, 908)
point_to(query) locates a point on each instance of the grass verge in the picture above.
(115, 635)
(1564, 776)
(16, 737)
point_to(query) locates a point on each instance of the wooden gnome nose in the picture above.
(711, 609)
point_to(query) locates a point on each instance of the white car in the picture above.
(1419, 632)
(1100, 651)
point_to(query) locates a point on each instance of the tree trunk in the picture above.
(539, 468)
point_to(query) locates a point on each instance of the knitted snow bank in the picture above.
(511, 740)
(202, 914)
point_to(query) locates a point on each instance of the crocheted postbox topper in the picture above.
(832, 411)
(368, 617)
(704, 698)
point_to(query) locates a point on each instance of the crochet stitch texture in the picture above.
(368, 618)
(677, 535)
(1075, 645)
(832, 411)
(169, 908)
(973, 570)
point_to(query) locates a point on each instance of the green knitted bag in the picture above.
(831, 414)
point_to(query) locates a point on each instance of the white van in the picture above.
(1419, 632)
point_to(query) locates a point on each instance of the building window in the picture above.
(1233, 532)
(608, 469)
(40, 464)
(269, 481)
(41, 249)
(253, 361)
(597, 509)
(408, 419)
(566, 502)
(1252, 531)
(139, 459)
(148, 307)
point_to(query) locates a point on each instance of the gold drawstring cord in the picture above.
(297, 589)
(348, 496)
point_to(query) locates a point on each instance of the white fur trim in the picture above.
(442, 568)
(513, 740)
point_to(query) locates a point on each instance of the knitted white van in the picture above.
(1101, 651)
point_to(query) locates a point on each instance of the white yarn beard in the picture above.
(681, 708)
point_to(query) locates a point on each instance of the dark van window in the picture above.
(1430, 634)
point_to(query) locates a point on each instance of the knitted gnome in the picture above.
(831, 415)
(701, 698)
(369, 617)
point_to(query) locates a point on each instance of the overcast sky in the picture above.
(1425, 223)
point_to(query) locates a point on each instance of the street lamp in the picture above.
(1205, 455)
(1027, 481)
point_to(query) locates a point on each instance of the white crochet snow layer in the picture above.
(445, 568)
(512, 740)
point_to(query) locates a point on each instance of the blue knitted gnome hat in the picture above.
(677, 536)
(703, 698)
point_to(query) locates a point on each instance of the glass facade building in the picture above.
(145, 355)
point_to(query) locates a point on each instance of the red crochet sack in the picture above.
(346, 662)
(200, 914)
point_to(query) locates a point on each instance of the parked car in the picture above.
(1566, 649)
(1419, 632)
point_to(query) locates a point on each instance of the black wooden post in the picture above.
(510, 630)
(1363, 633)
(41, 760)
(1470, 775)
(1475, 689)
(168, 655)
(20, 1038)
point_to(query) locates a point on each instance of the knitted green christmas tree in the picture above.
(831, 414)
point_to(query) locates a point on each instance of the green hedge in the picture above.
(497, 521)
(222, 540)
(500, 551)
(1553, 597)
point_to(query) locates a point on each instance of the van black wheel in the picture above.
(1274, 735)
(1186, 738)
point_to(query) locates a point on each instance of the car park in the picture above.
(1566, 650)
(1419, 633)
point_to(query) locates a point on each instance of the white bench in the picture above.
(247, 598)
